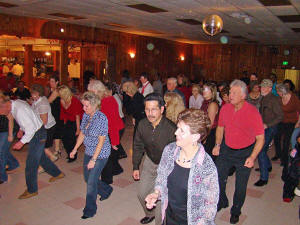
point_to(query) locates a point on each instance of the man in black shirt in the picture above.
(22, 92)
(152, 135)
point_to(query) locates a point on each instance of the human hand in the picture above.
(77, 132)
(18, 145)
(114, 147)
(73, 153)
(249, 162)
(151, 200)
(91, 164)
(216, 151)
(10, 138)
(20, 134)
(136, 174)
(265, 126)
(297, 124)
(133, 121)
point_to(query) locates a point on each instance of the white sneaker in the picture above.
(297, 191)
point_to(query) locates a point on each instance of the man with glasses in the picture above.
(152, 135)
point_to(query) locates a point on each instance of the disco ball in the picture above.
(212, 25)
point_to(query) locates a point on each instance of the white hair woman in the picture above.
(109, 107)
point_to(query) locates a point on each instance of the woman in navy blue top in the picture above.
(94, 136)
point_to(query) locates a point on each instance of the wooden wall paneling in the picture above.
(28, 64)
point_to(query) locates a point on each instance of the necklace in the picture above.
(184, 160)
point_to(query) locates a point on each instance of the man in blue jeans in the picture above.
(272, 114)
(35, 135)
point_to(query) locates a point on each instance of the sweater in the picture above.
(203, 186)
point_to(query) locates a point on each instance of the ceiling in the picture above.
(272, 22)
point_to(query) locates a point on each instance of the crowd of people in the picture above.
(189, 136)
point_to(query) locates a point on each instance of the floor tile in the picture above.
(226, 217)
(129, 221)
(76, 203)
(78, 170)
(254, 193)
(122, 183)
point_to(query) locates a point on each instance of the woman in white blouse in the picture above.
(42, 108)
(196, 99)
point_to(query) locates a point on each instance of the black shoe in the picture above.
(147, 219)
(117, 172)
(222, 207)
(269, 169)
(104, 198)
(1, 182)
(261, 183)
(234, 219)
(275, 158)
(85, 217)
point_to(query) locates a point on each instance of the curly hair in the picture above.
(98, 88)
(174, 105)
(197, 120)
(65, 93)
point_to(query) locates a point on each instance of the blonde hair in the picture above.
(130, 87)
(196, 86)
(98, 88)
(174, 105)
(65, 93)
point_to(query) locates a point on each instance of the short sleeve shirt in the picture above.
(242, 126)
(98, 127)
(42, 106)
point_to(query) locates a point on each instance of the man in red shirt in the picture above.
(241, 125)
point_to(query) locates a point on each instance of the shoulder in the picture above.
(168, 123)
(101, 116)
(170, 148)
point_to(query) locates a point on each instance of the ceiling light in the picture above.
(47, 53)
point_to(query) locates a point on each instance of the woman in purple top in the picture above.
(94, 135)
(192, 199)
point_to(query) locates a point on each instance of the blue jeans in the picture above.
(94, 185)
(295, 134)
(263, 159)
(36, 156)
(6, 158)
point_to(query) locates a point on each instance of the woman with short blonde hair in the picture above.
(70, 113)
(130, 88)
(174, 105)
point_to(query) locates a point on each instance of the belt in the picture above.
(241, 149)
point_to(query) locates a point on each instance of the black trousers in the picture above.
(226, 160)
(210, 143)
(285, 131)
(68, 136)
(112, 167)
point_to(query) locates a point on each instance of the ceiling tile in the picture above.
(147, 8)
(290, 18)
(274, 2)
(190, 21)
(283, 10)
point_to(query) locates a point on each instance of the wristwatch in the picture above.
(217, 145)
(93, 160)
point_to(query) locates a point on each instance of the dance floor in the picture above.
(61, 202)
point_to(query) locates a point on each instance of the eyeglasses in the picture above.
(151, 110)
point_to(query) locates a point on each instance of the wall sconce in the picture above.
(131, 54)
(47, 53)
(62, 30)
(182, 57)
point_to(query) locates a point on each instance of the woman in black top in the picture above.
(135, 104)
(54, 101)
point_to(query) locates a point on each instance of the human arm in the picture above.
(210, 197)
(53, 96)
(260, 139)
(212, 112)
(10, 127)
(77, 125)
(92, 162)
(44, 118)
(138, 151)
(79, 142)
(219, 138)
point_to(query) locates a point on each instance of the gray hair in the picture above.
(282, 88)
(97, 87)
(173, 79)
(241, 84)
(92, 98)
